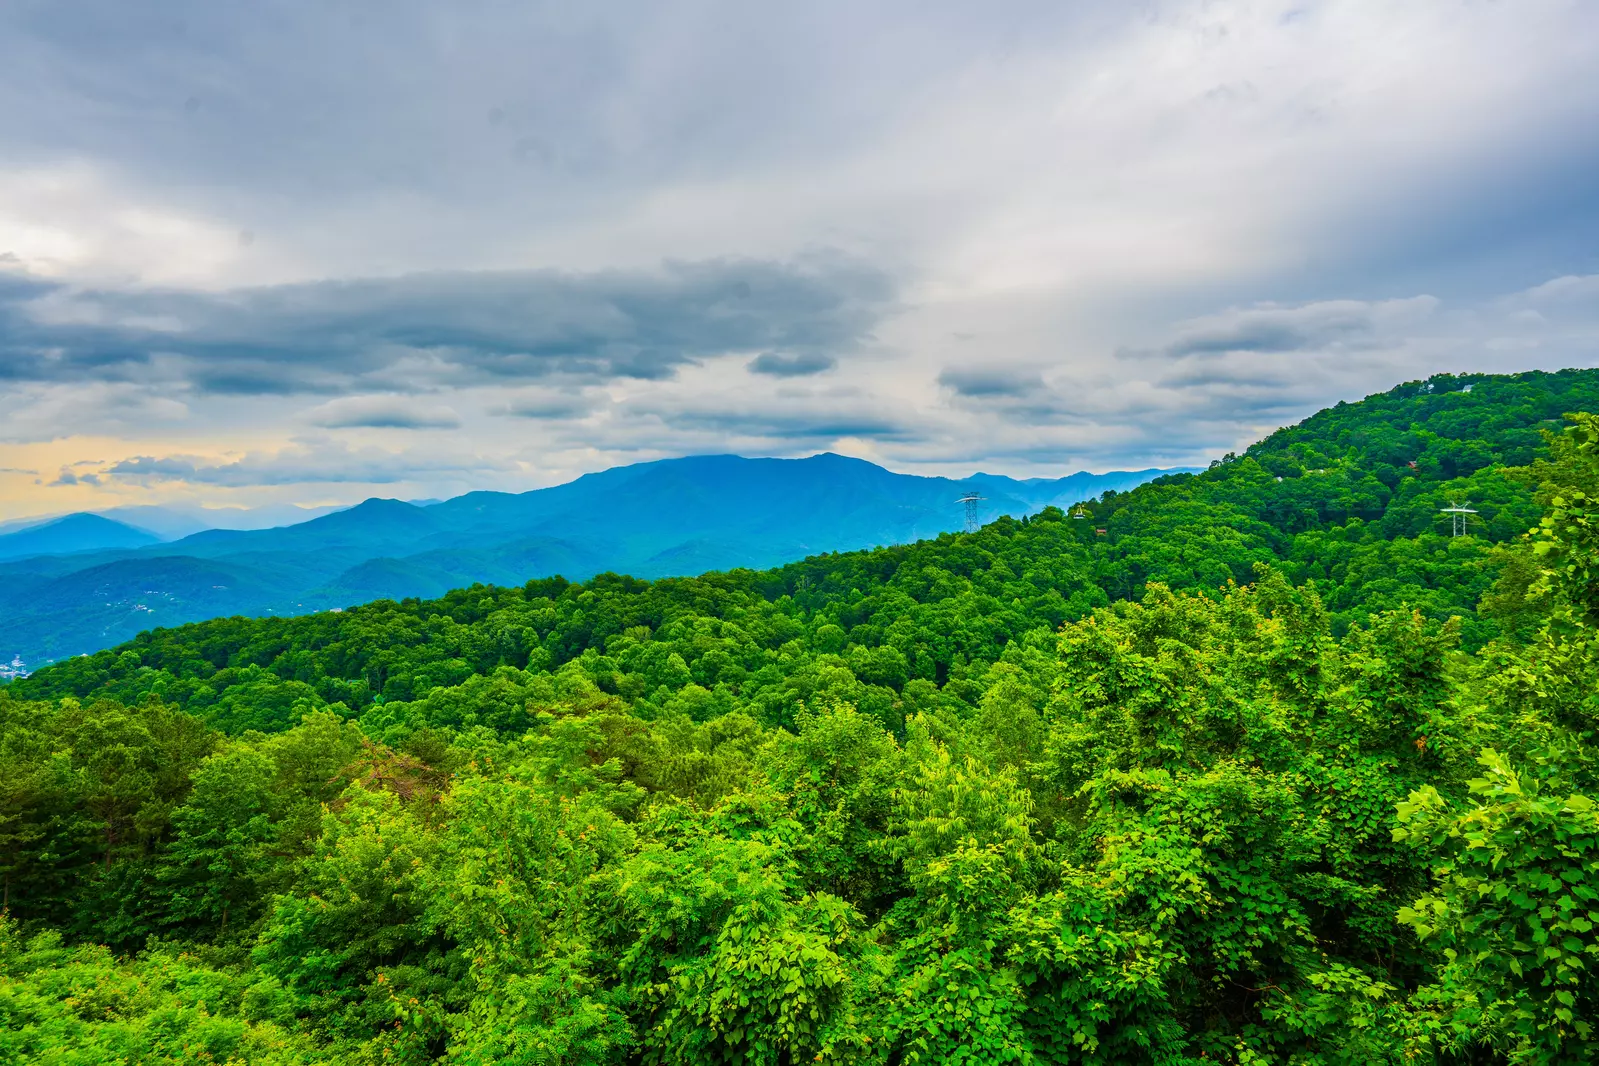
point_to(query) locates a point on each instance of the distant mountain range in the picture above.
(104, 581)
(171, 521)
(73, 533)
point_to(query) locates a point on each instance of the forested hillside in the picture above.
(1256, 765)
(670, 517)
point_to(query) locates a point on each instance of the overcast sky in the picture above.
(316, 250)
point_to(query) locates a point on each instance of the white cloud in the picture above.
(71, 220)
(1580, 294)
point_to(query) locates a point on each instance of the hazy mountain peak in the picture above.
(79, 532)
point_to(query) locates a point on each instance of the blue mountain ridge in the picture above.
(664, 518)
(73, 533)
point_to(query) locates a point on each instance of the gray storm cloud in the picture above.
(980, 382)
(383, 412)
(784, 365)
(310, 461)
(457, 329)
(1312, 326)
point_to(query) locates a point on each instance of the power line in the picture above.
(971, 500)
(1457, 517)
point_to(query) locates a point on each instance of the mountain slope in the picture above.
(1351, 496)
(73, 533)
(671, 517)
(171, 521)
(1332, 518)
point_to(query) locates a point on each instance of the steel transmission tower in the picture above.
(1457, 517)
(971, 500)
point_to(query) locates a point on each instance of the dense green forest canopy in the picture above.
(1252, 765)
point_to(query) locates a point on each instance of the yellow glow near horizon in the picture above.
(31, 478)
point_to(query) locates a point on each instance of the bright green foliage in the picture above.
(966, 843)
(79, 1006)
(1514, 905)
(359, 912)
(520, 859)
(722, 955)
(1515, 911)
(223, 847)
(1568, 535)
(1223, 777)
(1207, 788)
